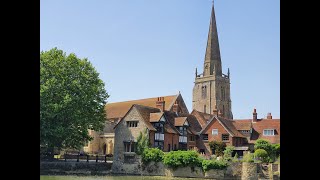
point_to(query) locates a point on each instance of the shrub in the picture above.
(263, 144)
(227, 153)
(142, 142)
(179, 158)
(276, 149)
(152, 154)
(235, 158)
(262, 155)
(213, 164)
(218, 147)
(248, 158)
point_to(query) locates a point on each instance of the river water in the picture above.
(113, 178)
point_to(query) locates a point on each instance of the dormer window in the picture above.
(268, 132)
(159, 127)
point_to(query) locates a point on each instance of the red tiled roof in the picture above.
(119, 109)
(155, 117)
(202, 118)
(195, 126)
(179, 121)
(243, 124)
(262, 124)
(228, 124)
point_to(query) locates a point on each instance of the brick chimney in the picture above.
(215, 111)
(255, 115)
(269, 116)
(160, 103)
(175, 107)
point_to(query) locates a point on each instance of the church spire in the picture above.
(212, 62)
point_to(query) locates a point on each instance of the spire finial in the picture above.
(228, 73)
(196, 72)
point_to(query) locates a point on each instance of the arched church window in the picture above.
(204, 109)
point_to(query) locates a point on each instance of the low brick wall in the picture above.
(74, 168)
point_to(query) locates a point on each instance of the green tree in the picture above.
(72, 100)
(263, 144)
(218, 147)
(227, 153)
(261, 154)
(142, 142)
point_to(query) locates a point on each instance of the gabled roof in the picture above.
(201, 117)
(195, 126)
(119, 109)
(262, 124)
(226, 124)
(155, 117)
(243, 124)
(144, 112)
(179, 121)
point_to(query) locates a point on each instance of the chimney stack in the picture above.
(215, 111)
(160, 103)
(269, 116)
(220, 114)
(175, 107)
(254, 118)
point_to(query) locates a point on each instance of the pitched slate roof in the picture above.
(119, 109)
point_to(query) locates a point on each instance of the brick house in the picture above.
(240, 133)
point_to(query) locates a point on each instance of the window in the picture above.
(192, 138)
(132, 123)
(268, 132)
(158, 144)
(225, 137)
(159, 127)
(204, 92)
(129, 146)
(175, 146)
(205, 137)
(214, 132)
(183, 130)
(169, 147)
(245, 131)
(204, 109)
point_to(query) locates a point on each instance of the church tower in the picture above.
(212, 88)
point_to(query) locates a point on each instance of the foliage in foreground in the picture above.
(262, 155)
(213, 164)
(218, 147)
(179, 158)
(152, 154)
(249, 157)
(142, 142)
(227, 153)
(72, 100)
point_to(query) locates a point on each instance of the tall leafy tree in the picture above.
(72, 100)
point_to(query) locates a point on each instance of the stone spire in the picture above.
(212, 62)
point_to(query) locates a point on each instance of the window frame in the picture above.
(225, 135)
(269, 130)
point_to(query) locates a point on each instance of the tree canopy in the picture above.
(72, 100)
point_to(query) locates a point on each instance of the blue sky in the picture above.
(148, 48)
